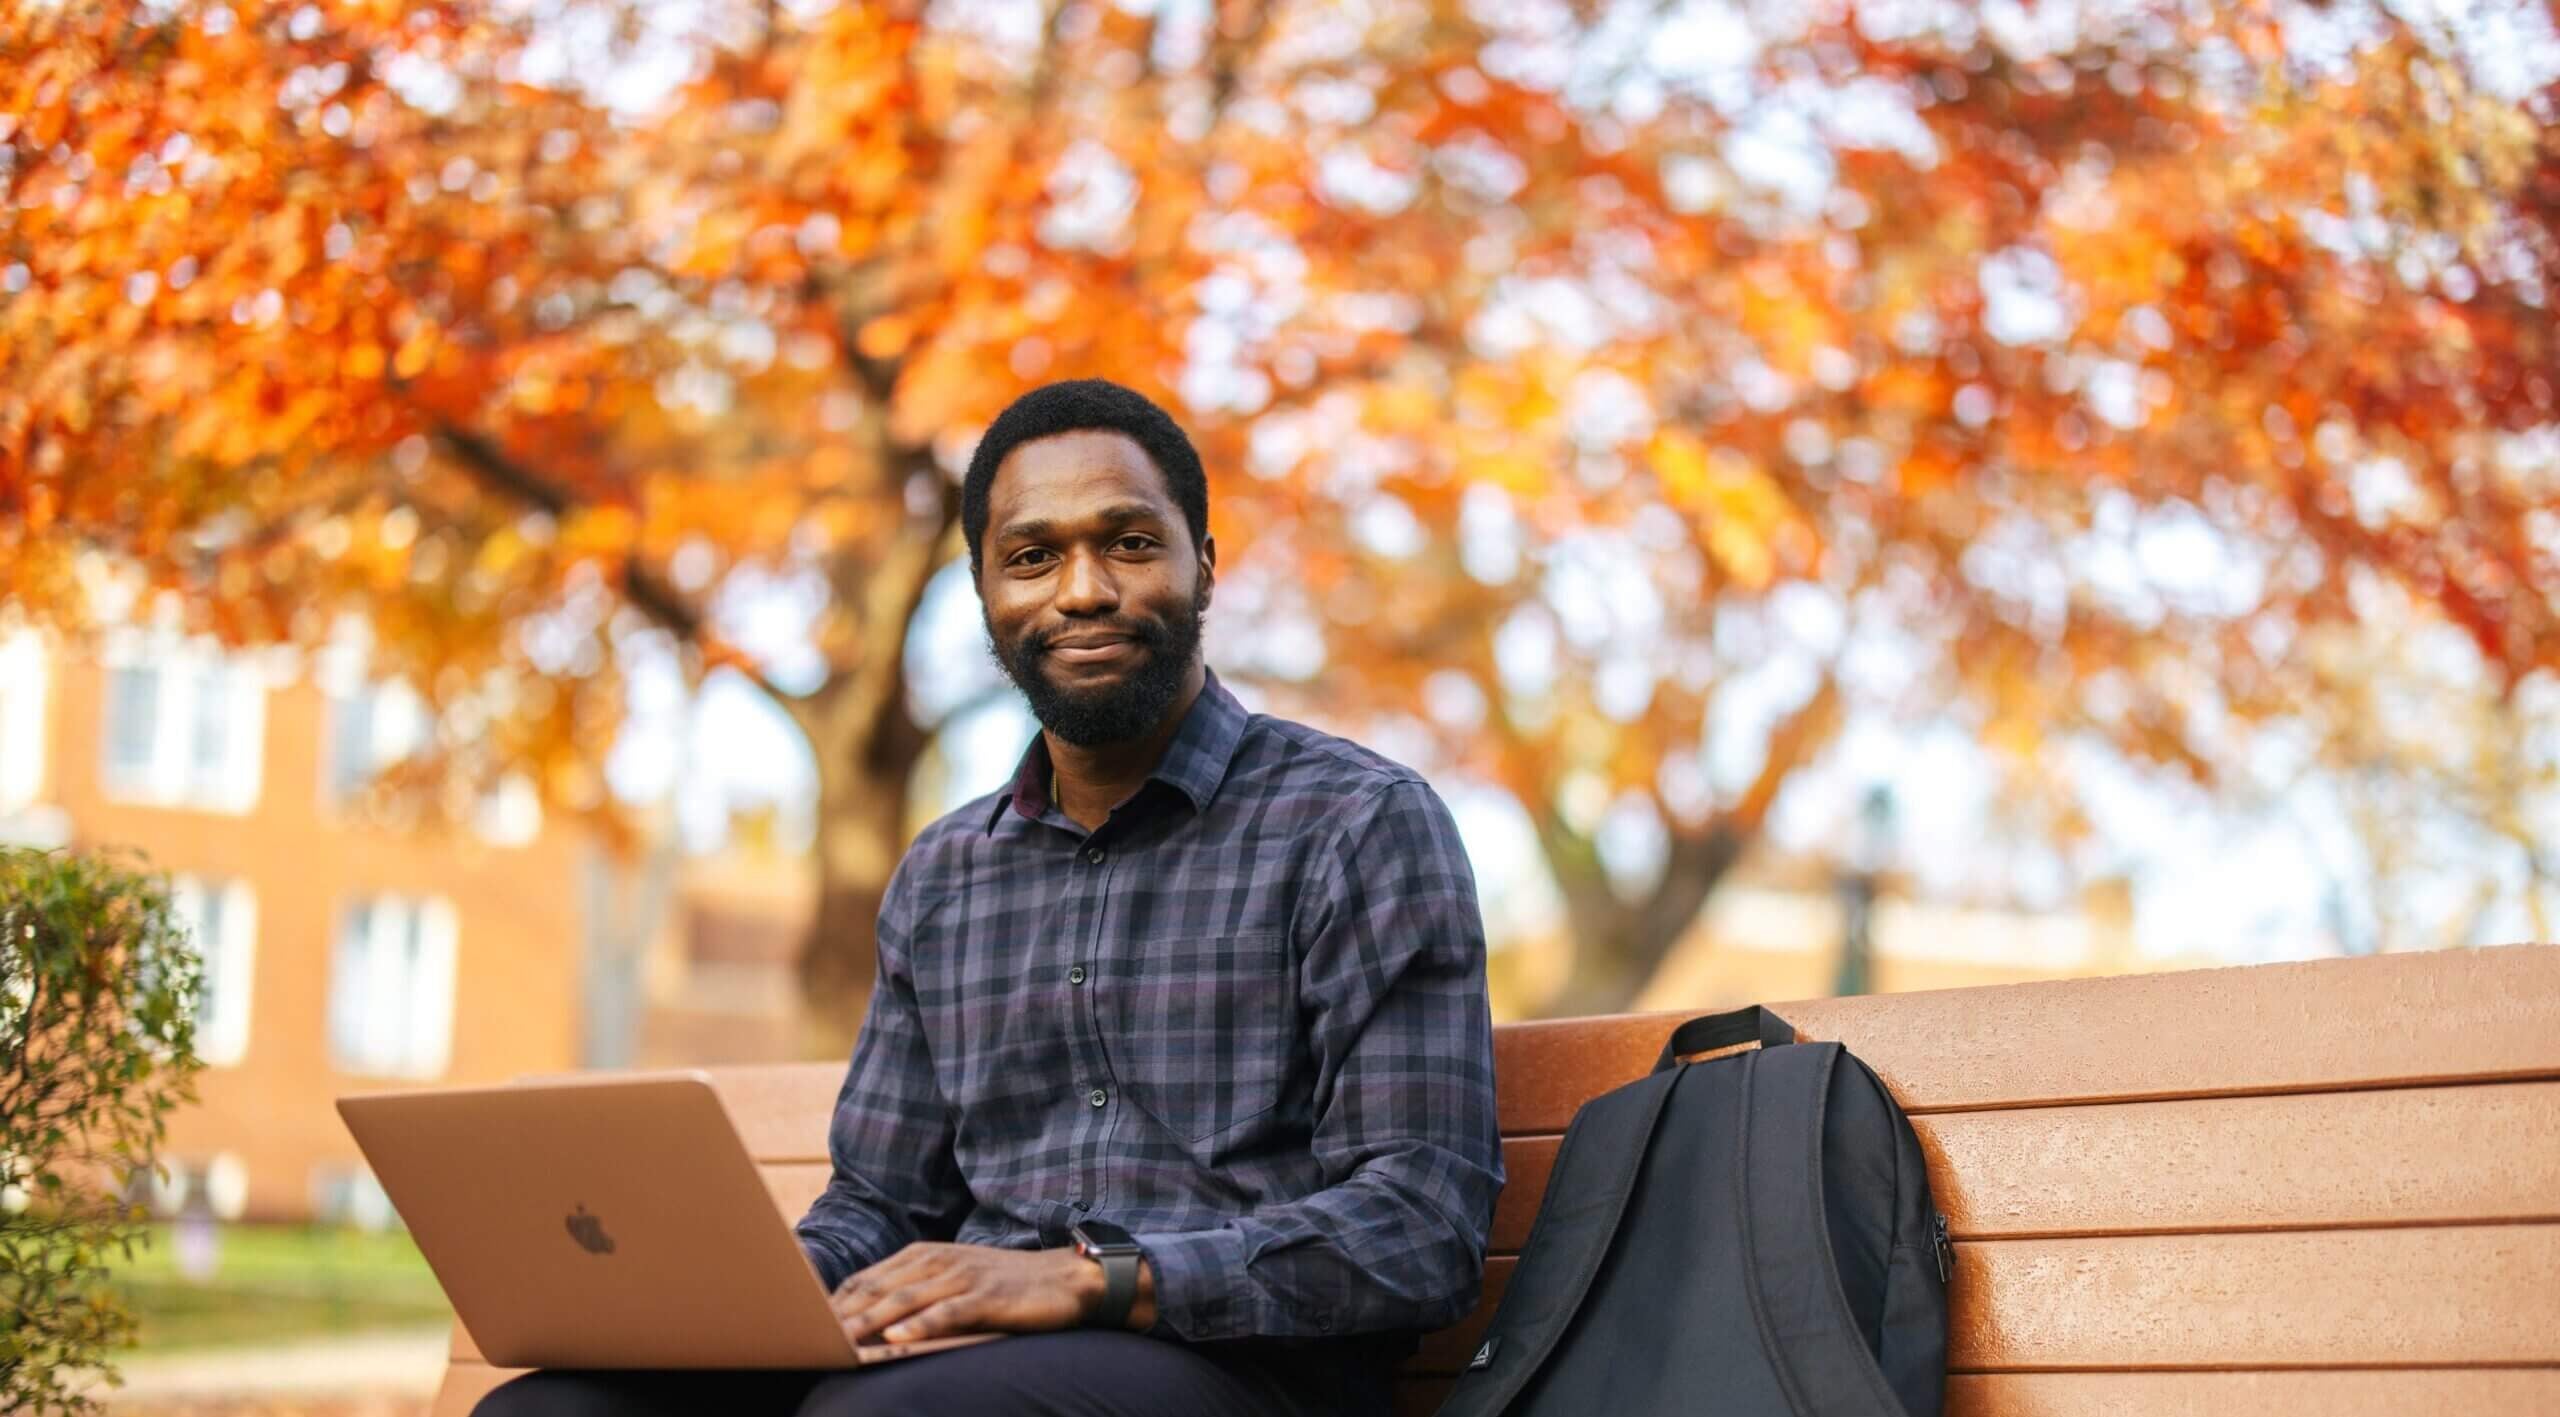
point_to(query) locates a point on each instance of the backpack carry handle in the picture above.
(1712, 1031)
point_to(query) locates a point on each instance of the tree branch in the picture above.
(643, 587)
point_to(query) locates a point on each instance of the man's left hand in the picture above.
(929, 1290)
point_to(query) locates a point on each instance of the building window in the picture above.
(344, 1194)
(22, 707)
(184, 729)
(369, 730)
(221, 918)
(509, 814)
(391, 987)
(379, 725)
(219, 1186)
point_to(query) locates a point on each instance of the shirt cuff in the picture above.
(1198, 1274)
(822, 1261)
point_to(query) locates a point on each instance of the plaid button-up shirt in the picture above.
(1244, 1019)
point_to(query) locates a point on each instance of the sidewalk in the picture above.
(393, 1371)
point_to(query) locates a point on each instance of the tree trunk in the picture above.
(1618, 944)
(861, 834)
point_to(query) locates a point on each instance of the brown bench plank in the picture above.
(2285, 1162)
(2471, 1015)
(795, 1186)
(2453, 1016)
(466, 1381)
(2395, 1156)
(2407, 1156)
(2428, 1392)
(2441, 1392)
(2459, 1295)
(2437, 1295)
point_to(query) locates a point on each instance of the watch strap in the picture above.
(1119, 1290)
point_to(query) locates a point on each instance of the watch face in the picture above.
(1103, 1237)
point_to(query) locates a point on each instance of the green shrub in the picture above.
(97, 1043)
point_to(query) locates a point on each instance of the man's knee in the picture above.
(1078, 1371)
(550, 1394)
(560, 1393)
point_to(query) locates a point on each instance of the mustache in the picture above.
(1151, 633)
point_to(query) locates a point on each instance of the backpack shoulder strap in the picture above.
(1595, 1172)
(1806, 1329)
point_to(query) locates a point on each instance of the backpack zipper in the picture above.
(1945, 1245)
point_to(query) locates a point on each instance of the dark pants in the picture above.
(1077, 1373)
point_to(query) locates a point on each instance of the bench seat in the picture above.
(2326, 1187)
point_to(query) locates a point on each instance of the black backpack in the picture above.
(1752, 1234)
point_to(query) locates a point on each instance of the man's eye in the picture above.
(1030, 557)
(1134, 542)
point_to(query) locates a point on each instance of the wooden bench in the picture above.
(2326, 1188)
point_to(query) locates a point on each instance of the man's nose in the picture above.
(1086, 587)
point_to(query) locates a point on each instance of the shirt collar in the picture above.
(1194, 763)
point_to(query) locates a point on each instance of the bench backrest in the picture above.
(2326, 1187)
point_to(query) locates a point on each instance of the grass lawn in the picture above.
(276, 1283)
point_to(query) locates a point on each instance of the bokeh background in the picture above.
(1838, 497)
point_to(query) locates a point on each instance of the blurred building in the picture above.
(1777, 929)
(1777, 933)
(720, 977)
(342, 953)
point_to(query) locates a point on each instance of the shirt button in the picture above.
(1075, 975)
(1094, 856)
(1097, 1097)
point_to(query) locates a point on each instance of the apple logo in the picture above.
(588, 1231)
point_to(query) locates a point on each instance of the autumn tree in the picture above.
(1620, 397)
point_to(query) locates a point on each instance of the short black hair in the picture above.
(1076, 405)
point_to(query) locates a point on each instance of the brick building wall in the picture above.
(515, 933)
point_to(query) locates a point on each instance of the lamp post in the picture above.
(1858, 892)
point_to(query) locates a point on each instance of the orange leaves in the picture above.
(1638, 343)
(603, 534)
(1751, 528)
(417, 352)
(885, 337)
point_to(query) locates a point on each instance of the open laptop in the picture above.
(607, 1222)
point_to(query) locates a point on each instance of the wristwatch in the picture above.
(1113, 1248)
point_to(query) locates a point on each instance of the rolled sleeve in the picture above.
(1391, 980)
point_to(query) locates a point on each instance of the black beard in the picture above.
(1115, 713)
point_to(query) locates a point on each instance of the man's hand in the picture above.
(930, 1290)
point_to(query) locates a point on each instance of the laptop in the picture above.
(606, 1222)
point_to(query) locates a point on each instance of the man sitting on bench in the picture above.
(1179, 1066)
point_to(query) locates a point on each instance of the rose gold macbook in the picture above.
(608, 1222)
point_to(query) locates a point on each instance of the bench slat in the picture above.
(2391, 1157)
(2474, 1015)
(2398, 1156)
(2441, 1392)
(2422, 1018)
(2428, 1295)
(795, 1186)
(466, 1381)
(781, 1109)
(2436, 1392)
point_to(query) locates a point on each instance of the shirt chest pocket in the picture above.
(1200, 1030)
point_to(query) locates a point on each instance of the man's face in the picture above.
(1092, 588)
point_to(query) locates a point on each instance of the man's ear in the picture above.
(1208, 569)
